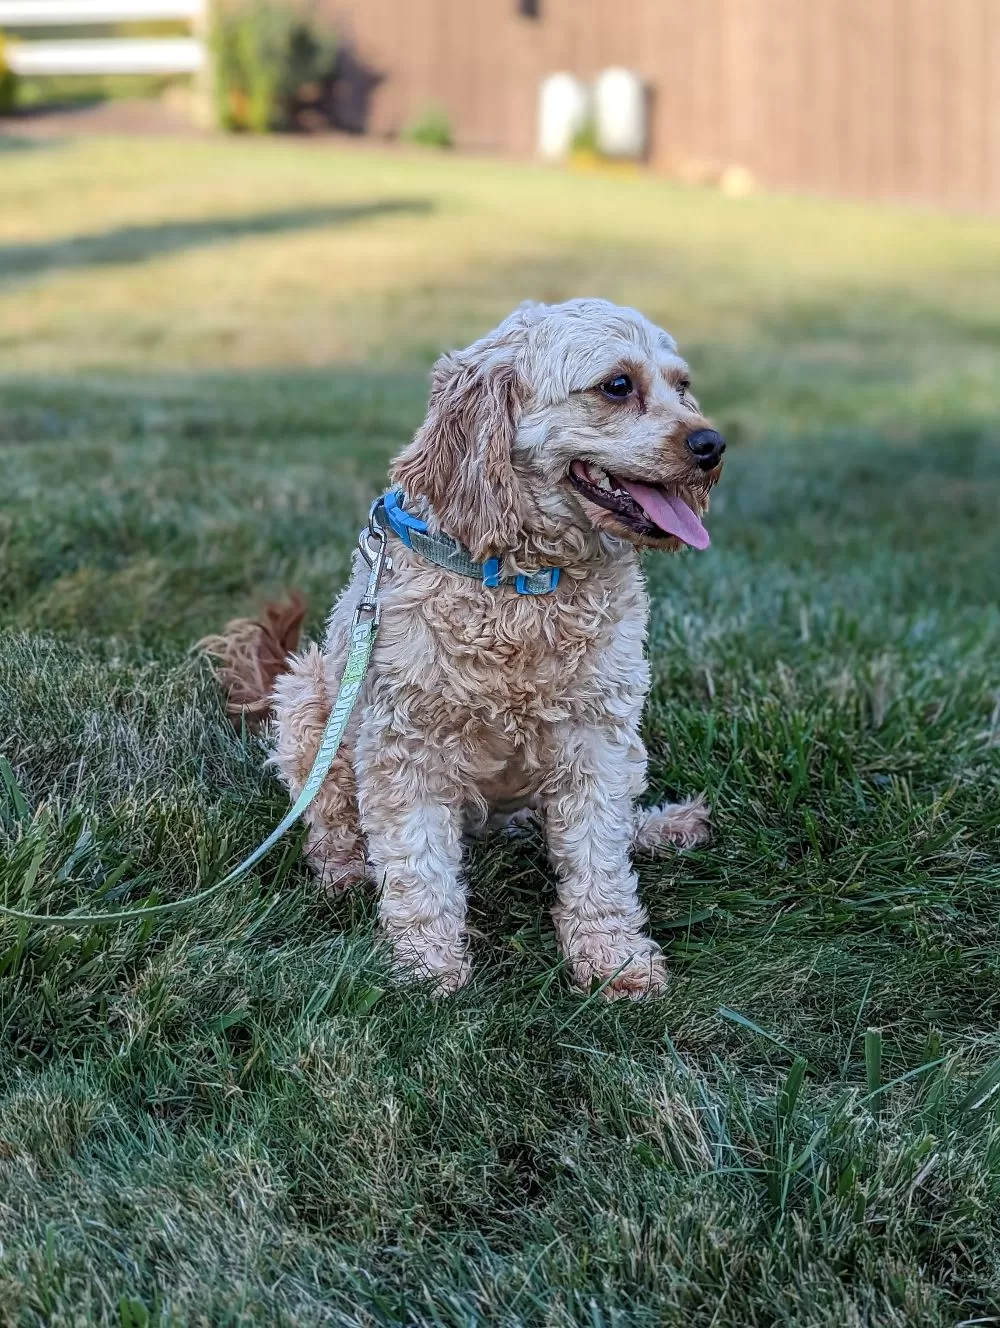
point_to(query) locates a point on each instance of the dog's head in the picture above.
(567, 420)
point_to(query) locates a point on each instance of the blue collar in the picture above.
(455, 557)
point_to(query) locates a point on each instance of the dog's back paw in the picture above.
(672, 825)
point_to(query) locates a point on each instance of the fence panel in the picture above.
(111, 55)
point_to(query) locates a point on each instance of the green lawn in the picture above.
(207, 354)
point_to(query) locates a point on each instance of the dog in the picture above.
(554, 449)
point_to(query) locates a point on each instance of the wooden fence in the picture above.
(108, 55)
(871, 98)
(890, 99)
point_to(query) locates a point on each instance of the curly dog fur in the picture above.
(486, 703)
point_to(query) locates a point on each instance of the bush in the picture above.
(8, 82)
(585, 139)
(270, 60)
(431, 127)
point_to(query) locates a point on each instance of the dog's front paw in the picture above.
(447, 964)
(673, 825)
(336, 872)
(625, 969)
(638, 980)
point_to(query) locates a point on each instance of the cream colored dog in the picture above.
(566, 438)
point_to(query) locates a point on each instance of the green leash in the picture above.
(373, 545)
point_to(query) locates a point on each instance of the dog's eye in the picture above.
(618, 387)
(683, 387)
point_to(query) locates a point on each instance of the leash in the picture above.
(373, 543)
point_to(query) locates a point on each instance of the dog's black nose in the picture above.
(707, 446)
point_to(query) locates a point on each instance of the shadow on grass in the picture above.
(135, 244)
(18, 143)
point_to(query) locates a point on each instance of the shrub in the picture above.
(585, 139)
(431, 127)
(269, 57)
(8, 82)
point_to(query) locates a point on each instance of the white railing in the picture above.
(112, 55)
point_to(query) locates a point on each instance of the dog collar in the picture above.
(453, 556)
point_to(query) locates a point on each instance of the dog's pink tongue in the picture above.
(671, 514)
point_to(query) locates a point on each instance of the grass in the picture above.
(209, 351)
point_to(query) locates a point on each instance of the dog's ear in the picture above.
(460, 458)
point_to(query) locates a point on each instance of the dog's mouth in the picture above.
(654, 511)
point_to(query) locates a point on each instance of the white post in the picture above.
(620, 112)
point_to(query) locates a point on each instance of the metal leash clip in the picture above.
(373, 542)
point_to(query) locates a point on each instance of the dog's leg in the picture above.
(302, 704)
(412, 815)
(589, 818)
(672, 825)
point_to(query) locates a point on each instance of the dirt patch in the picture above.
(129, 116)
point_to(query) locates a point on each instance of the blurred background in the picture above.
(889, 99)
(233, 237)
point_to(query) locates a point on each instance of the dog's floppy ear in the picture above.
(460, 458)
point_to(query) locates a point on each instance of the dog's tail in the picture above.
(249, 655)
